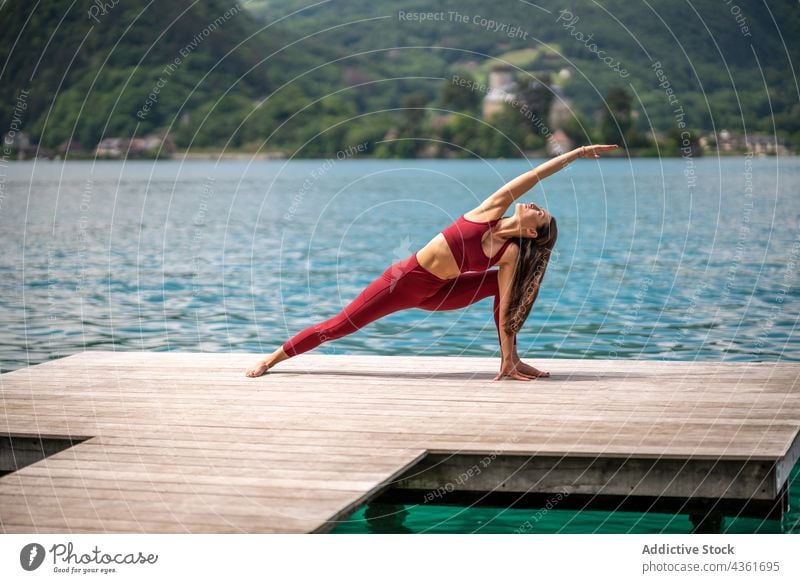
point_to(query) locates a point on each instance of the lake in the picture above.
(673, 259)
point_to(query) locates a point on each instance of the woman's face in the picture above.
(532, 217)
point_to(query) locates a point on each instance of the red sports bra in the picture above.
(464, 239)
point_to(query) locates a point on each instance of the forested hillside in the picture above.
(180, 65)
(310, 78)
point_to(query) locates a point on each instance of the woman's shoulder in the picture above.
(481, 217)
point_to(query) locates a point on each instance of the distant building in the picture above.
(134, 147)
(17, 141)
(764, 144)
(69, 145)
(20, 143)
(757, 143)
(502, 89)
(727, 142)
(111, 147)
(560, 108)
(558, 143)
(156, 142)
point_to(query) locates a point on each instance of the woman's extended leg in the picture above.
(403, 285)
(374, 302)
(465, 290)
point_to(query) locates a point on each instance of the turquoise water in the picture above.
(455, 520)
(656, 259)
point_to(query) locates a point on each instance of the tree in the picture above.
(682, 143)
(414, 108)
(458, 94)
(617, 120)
(534, 100)
(578, 130)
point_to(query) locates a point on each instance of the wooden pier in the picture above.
(184, 442)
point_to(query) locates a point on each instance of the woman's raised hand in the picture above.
(594, 151)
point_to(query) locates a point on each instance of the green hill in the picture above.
(130, 69)
(277, 75)
(722, 77)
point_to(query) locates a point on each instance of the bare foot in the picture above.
(530, 370)
(259, 368)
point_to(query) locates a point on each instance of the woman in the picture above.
(452, 272)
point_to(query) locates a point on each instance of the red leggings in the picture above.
(405, 284)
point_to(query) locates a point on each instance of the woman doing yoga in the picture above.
(453, 271)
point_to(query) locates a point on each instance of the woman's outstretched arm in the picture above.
(498, 203)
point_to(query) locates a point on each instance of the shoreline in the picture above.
(249, 156)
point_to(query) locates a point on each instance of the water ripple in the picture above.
(155, 266)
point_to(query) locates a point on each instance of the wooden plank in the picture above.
(114, 519)
(743, 412)
(14, 483)
(537, 439)
(744, 479)
(455, 424)
(172, 467)
(222, 480)
(384, 419)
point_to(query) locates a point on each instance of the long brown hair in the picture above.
(534, 255)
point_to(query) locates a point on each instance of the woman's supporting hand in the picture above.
(594, 151)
